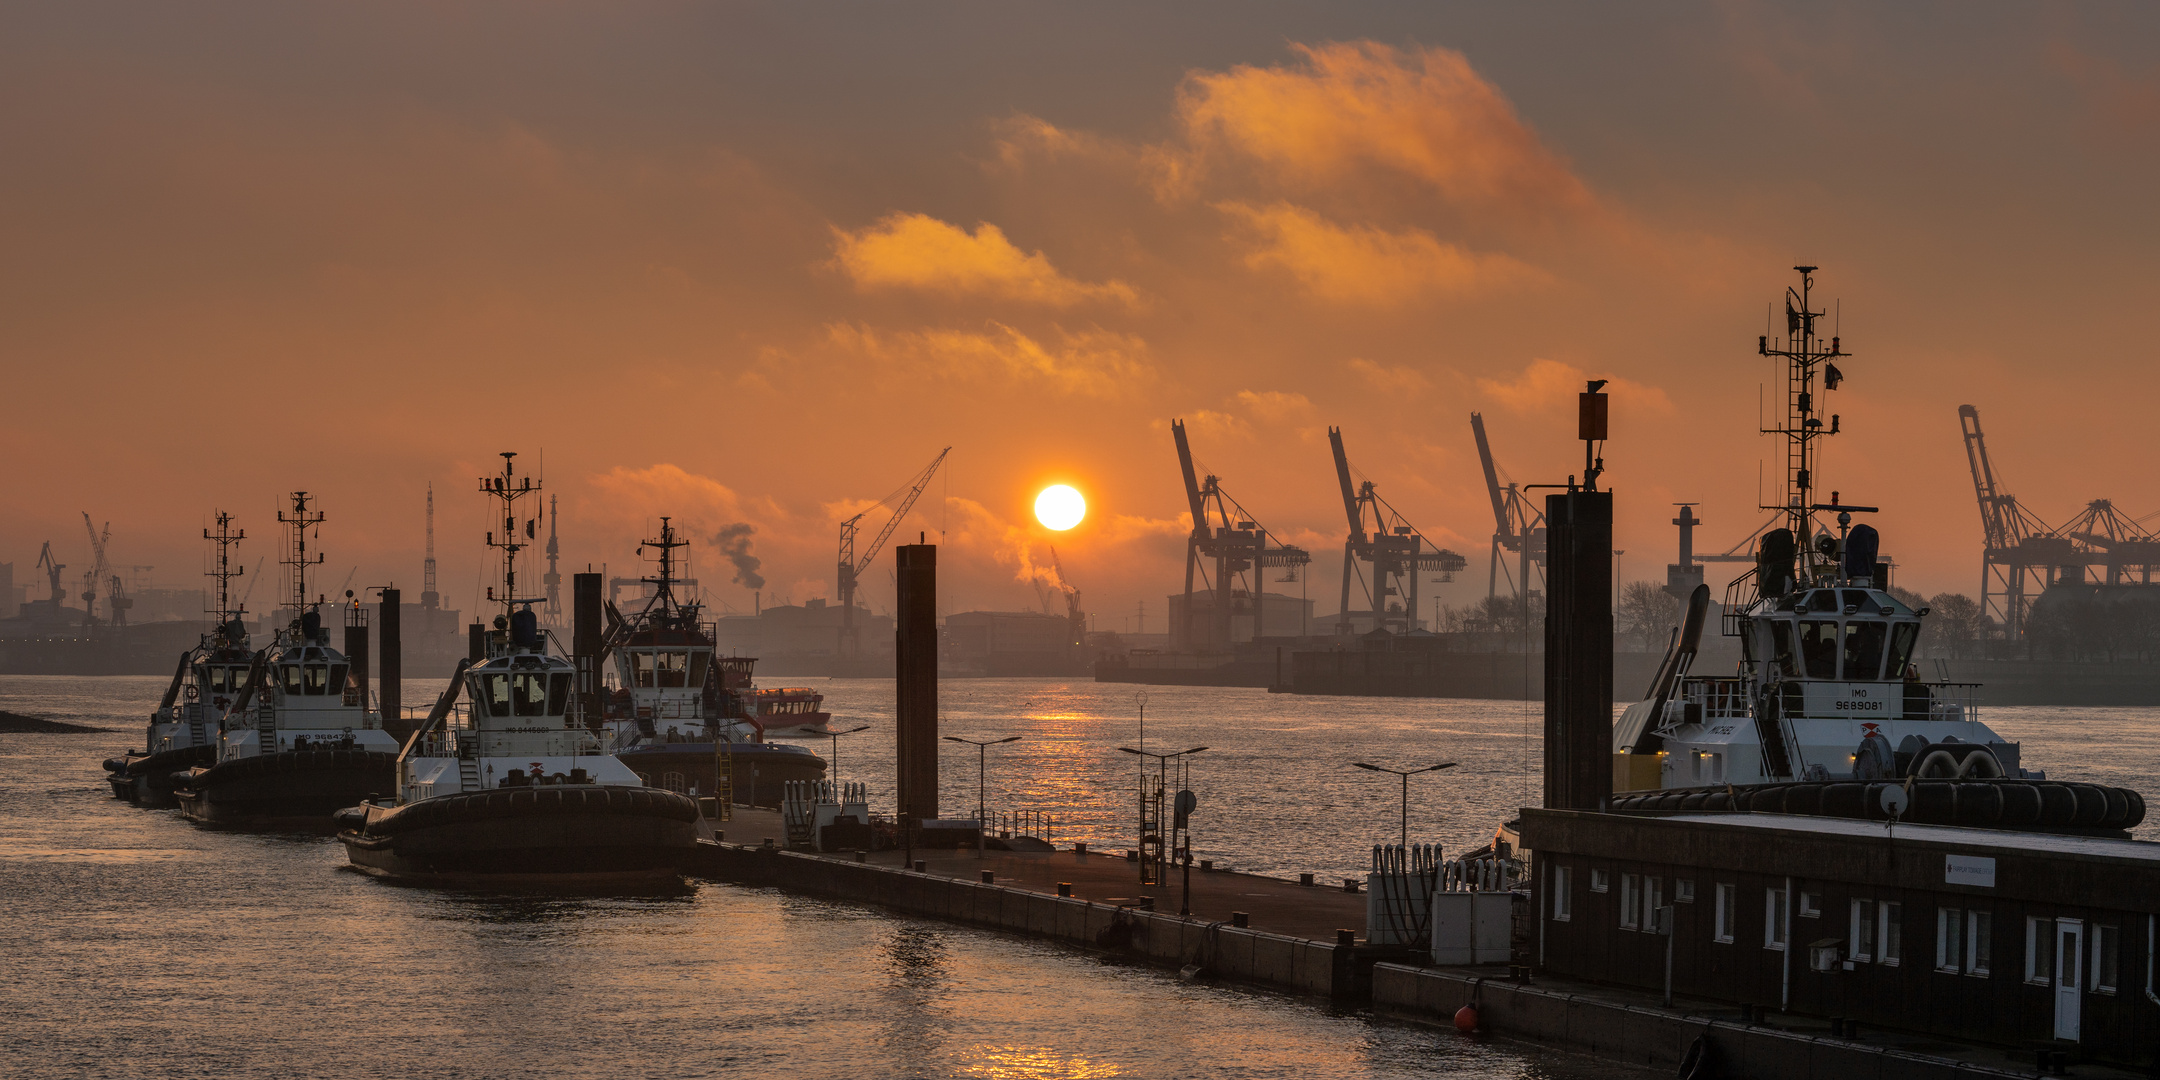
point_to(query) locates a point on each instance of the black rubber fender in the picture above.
(1979, 803)
(1845, 800)
(2091, 804)
(1804, 799)
(1933, 803)
(534, 802)
(2058, 806)
(2134, 815)
(2118, 807)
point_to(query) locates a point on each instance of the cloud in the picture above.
(2123, 107)
(1090, 363)
(1547, 384)
(1218, 424)
(1362, 265)
(916, 251)
(1423, 113)
(1274, 405)
(1394, 379)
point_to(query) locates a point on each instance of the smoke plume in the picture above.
(734, 542)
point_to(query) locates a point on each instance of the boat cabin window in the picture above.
(670, 668)
(698, 663)
(290, 674)
(337, 678)
(1781, 648)
(559, 693)
(1864, 648)
(529, 693)
(1902, 636)
(1819, 648)
(222, 680)
(493, 693)
(318, 679)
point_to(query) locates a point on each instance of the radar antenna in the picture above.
(507, 489)
(301, 519)
(1805, 356)
(225, 538)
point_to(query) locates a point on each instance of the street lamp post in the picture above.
(982, 772)
(835, 760)
(1406, 774)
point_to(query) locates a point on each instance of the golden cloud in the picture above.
(1424, 113)
(1547, 384)
(917, 251)
(1395, 379)
(1362, 265)
(1092, 363)
(1274, 404)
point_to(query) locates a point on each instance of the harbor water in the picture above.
(136, 944)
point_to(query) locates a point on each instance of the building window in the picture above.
(1563, 906)
(1653, 899)
(1979, 942)
(1949, 940)
(2103, 960)
(2039, 951)
(1597, 881)
(1810, 905)
(1773, 931)
(1630, 901)
(1683, 892)
(1726, 897)
(1893, 933)
(1863, 931)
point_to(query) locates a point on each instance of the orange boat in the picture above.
(793, 710)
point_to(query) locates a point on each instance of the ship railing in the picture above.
(1719, 697)
(1035, 824)
(1954, 702)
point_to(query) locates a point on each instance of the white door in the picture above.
(2069, 976)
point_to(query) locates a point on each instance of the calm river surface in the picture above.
(136, 945)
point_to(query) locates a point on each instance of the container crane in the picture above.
(851, 568)
(1394, 549)
(1519, 527)
(1234, 543)
(2019, 552)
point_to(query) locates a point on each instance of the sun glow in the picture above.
(1060, 507)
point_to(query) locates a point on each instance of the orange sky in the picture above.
(755, 264)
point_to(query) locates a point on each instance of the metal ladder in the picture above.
(468, 766)
(1152, 854)
(266, 729)
(196, 734)
(724, 782)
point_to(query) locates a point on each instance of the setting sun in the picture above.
(1060, 507)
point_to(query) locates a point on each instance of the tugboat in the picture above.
(182, 733)
(1828, 708)
(298, 740)
(689, 721)
(793, 711)
(514, 789)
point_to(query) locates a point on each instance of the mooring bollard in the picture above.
(922, 866)
(989, 877)
(1207, 866)
(1147, 903)
(1349, 884)
(1064, 888)
(1305, 879)
(1080, 849)
(1345, 937)
(1240, 919)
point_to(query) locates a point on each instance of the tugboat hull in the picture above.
(293, 789)
(760, 773)
(551, 836)
(146, 780)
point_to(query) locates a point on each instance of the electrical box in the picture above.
(1472, 927)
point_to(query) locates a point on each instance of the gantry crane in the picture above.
(52, 568)
(2018, 549)
(1235, 544)
(1396, 552)
(1518, 527)
(851, 568)
(98, 569)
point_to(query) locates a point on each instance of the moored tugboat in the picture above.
(183, 731)
(1828, 708)
(514, 789)
(297, 741)
(689, 721)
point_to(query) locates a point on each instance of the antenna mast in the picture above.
(1803, 352)
(226, 538)
(553, 579)
(507, 490)
(301, 519)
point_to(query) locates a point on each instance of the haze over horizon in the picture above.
(359, 250)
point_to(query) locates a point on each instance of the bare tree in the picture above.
(1647, 615)
(1954, 621)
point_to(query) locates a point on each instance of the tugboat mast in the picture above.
(1803, 351)
(226, 538)
(301, 519)
(508, 489)
(663, 600)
